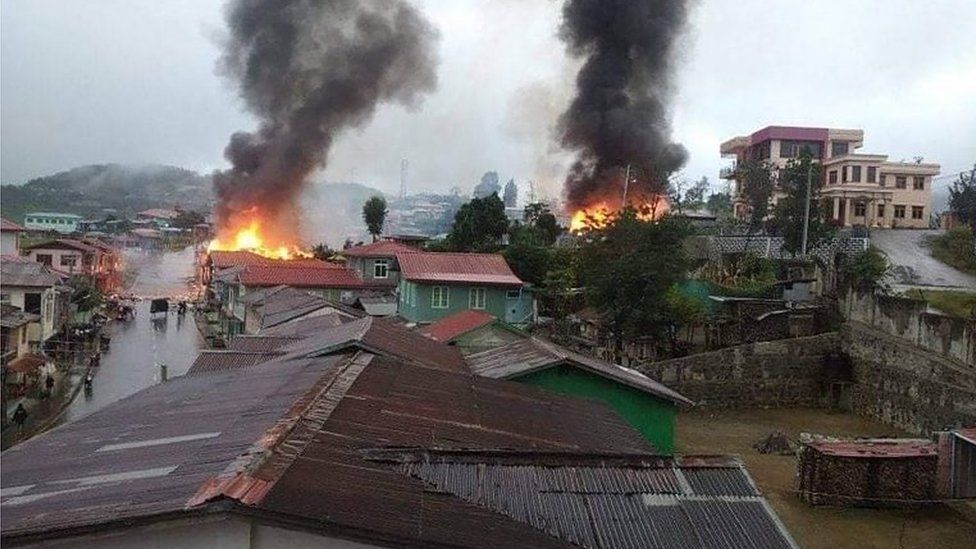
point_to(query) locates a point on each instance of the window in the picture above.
(476, 298)
(69, 260)
(901, 182)
(833, 176)
(881, 210)
(872, 174)
(843, 174)
(513, 294)
(899, 212)
(381, 268)
(440, 297)
(856, 174)
(918, 183)
(839, 148)
(881, 179)
(793, 149)
(5, 299)
(32, 303)
(918, 212)
(44, 259)
(860, 209)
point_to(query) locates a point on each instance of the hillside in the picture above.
(91, 190)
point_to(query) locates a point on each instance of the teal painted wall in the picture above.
(652, 417)
(366, 267)
(415, 302)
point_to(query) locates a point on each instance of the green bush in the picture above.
(866, 270)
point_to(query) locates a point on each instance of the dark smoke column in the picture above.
(619, 114)
(309, 69)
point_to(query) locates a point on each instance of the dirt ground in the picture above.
(735, 431)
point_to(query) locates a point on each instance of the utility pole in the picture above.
(626, 184)
(806, 210)
(403, 179)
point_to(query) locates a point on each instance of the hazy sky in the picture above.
(133, 81)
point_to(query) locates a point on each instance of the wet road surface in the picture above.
(140, 345)
(912, 263)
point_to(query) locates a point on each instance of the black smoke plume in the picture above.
(619, 115)
(309, 69)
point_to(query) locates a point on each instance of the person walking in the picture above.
(49, 385)
(20, 416)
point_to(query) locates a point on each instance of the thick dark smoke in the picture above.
(619, 115)
(309, 69)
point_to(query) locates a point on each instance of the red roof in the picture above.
(489, 269)
(383, 248)
(26, 363)
(968, 433)
(457, 324)
(299, 276)
(9, 226)
(62, 243)
(221, 259)
(876, 448)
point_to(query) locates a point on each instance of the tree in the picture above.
(510, 198)
(322, 251)
(186, 219)
(865, 271)
(789, 215)
(374, 214)
(539, 215)
(528, 254)
(478, 225)
(695, 196)
(628, 267)
(720, 204)
(488, 186)
(756, 178)
(962, 199)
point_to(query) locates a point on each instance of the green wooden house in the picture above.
(436, 285)
(648, 406)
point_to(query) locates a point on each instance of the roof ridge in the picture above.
(249, 478)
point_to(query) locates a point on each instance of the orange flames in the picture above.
(248, 236)
(598, 214)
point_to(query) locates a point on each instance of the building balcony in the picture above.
(727, 172)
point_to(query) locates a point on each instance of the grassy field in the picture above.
(960, 304)
(734, 432)
(955, 248)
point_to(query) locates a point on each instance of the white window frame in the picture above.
(474, 294)
(377, 263)
(440, 297)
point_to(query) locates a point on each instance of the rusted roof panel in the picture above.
(382, 336)
(304, 276)
(534, 354)
(148, 453)
(457, 324)
(383, 248)
(218, 360)
(463, 268)
(258, 343)
(877, 448)
(9, 226)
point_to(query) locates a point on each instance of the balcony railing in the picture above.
(727, 172)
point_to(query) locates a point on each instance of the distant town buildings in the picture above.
(65, 223)
(859, 189)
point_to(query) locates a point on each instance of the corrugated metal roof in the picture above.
(383, 248)
(384, 305)
(224, 259)
(12, 317)
(258, 343)
(9, 226)
(27, 274)
(62, 243)
(218, 360)
(304, 276)
(308, 325)
(464, 268)
(283, 304)
(457, 324)
(148, 453)
(968, 433)
(876, 448)
(534, 354)
(381, 336)
(608, 501)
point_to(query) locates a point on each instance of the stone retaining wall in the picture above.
(786, 372)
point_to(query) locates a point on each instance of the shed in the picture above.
(473, 331)
(647, 405)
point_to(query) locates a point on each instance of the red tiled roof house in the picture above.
(435, 285)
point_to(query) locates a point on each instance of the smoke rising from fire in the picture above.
(619, 115)
(308, 70)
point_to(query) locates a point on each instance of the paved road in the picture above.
(139, 346)
(911, 262)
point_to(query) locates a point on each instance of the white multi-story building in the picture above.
(46, 221)
(860, 189)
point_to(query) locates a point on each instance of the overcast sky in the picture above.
(133, 81)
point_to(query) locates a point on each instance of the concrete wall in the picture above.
(908, 319)
(906, 386)
(788, 372)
